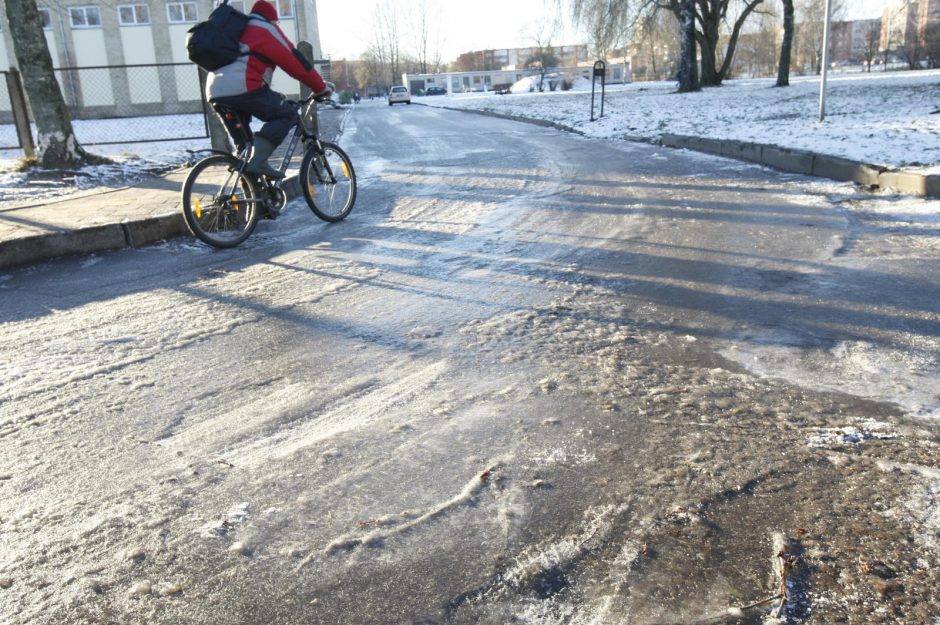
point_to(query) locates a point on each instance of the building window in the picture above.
(45, 16)
(181, 12)
(85, 17)
(285, 8)
(238, 5)
(134, 14)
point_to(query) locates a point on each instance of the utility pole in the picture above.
(825, 62)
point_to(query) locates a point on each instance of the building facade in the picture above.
(91, 42)
(617, 72)
(852, 40)
(913, 27)
(515, 58)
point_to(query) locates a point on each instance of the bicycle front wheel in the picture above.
(220, 205)
(328, 182)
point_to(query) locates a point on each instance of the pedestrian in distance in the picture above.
(244, 86)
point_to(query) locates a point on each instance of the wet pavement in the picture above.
(532, 378)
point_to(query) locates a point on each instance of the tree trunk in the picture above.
(711, 15)
(786, 46)
(708, 39)
(57, 145)
(688, 65)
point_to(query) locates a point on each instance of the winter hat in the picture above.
(265, 9)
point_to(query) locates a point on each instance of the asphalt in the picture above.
(149, 211)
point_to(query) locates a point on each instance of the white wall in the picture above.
(187, 78)
(282, 82)
(97, 89)
(143, 82)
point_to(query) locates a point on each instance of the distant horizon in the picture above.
(344, 38)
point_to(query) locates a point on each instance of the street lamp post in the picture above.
(825, 62)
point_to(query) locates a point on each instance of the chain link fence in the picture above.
(127, 103)
(8, 137)
(134, 103)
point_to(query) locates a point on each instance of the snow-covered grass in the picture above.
(890, 119)
(130, 163)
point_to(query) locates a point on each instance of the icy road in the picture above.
(534, 378)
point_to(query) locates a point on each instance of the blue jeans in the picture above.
(269, 106)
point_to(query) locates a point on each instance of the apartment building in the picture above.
(515, 58)
(911, 24)
(83, 34)
(851, 41)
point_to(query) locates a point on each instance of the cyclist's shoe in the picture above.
(258, 164)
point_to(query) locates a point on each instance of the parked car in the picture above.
(399, 94)
(435, 91)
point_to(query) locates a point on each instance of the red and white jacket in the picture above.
(270, 48)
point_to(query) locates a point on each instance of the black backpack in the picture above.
(214, 43)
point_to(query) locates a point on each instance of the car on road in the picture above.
(435, 91)
(399, 94)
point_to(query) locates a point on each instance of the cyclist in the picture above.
(244, 86)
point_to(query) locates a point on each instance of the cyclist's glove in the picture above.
(326, 94)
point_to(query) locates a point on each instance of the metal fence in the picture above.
(8, 137)
(126, 103)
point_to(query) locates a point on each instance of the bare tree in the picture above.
(712, 17)
(910, 44)
(786, 45)
(57, 144)
(427, 54)
(543, 56)
(371, 74)
(658, 36)
(811, 18)
(871, 43)
(606, 22)
(385, 47)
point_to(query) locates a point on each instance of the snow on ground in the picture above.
(131, 162)
(890, 119)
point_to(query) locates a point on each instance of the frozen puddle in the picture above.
(908, 378)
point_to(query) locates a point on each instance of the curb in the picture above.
(812, 164)
(105, 238)
(111, 237)
(784, 159)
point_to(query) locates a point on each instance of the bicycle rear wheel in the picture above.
(328, 182)
(220, 205)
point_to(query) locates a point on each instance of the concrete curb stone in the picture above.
(783, 159)
(793, 161)
(750, 152)
(910, 183)
(142, 232)
(844, 169)
(812, 164)
(40, 247)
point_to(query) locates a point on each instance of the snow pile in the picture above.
(526, 85)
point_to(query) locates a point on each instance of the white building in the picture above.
(107, 36)
(617, 72)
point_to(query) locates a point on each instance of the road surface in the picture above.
(533, 378)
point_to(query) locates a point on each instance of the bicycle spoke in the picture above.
(219, 203)
(329, 182)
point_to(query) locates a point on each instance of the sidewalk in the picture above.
(93, 222)
(150, 210)
(98, 221)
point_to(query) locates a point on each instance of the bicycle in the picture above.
(222, 203)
